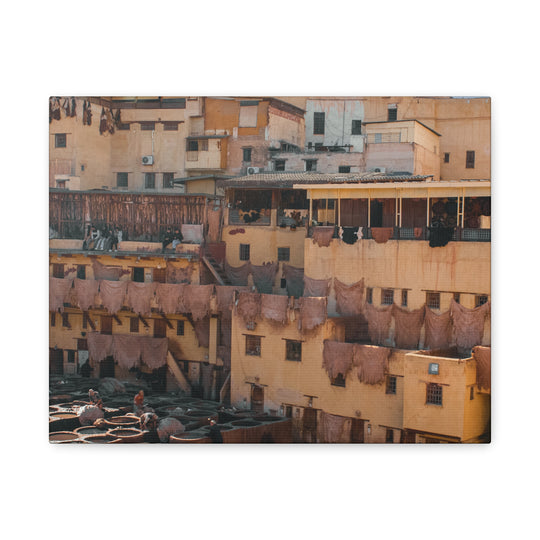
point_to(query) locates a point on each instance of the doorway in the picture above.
(56, 362)
(257, 399)
(309, 425)
(106, 367)
(357, 430)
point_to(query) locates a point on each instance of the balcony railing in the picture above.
(422, 234)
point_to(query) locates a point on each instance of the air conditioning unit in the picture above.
(148, 160)
(378, 169)
(253, 170)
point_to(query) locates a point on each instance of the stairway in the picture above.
(217, 271)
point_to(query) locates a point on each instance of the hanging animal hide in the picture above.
(126, 350)
(372, 363)
(322, 236)
(238, 275)
(112, 294)
(295, 280)
(349, 298)
(170, 298)
(179, 274)
(438, 330)
(85, 292)
(468, 325)
(408, 327)
(379, 320)
(381, 235)
(482, 355)
(333, 429)
(313, 312)
(197, 299)
(264, 276)
(249, 306)
(154, 351)
(202, 332)
(274, 308)
(139, 297)
(337, 358)
(316, 287)
(59, 289)
(99, 347)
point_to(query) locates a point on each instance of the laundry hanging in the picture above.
(349, 235)
(322, 236)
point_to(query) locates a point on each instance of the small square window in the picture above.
(434, 394)
(192, 145)
(122, 179)
(480, 299)
(344, 169)
(253, 345)
(279, 165)
(149, 180)
(293, 350)
(311, 165)
(134, 324)
(387, 297)
(81, 271)
(404, 297)
(338, 380)
(179, 328)
(60, 140)
(433, 368)
(391, 384)
(392, 114)
(433, 300)
(318, 123)
(469, 164)
(246, 155)
(283, 253)
(378, 137)
(446, 157)
(356, 128)
(369, 295)
(168, 179)
(244, 252)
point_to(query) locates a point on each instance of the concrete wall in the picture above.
(327, 162)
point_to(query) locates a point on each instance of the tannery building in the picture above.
(333, 265)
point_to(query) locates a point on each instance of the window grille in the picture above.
(434, 394)
(433, 300)
(387, 297)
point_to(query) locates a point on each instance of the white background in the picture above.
(277, 48)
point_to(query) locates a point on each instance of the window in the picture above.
(159, 275)
(170, 126)
(378, 137)
(283, 253)
(433, 300)
(168, 179)
(179, 328)
(446, 157)
(248, 114)
(469, 164)
(53, 318)
(58, 270)
(456, 297)
(138, 275)
(203, 145)
(192, 145)
(480, 299)
(85, 317)
(339, 380)
(60, 140)
(369, 295)
(471, 393)
(389, 435)
(391, 384)
(244, 252)
(392, 114)
(344, 169)
(65, 320)
(253, 345)
(246, 155)
(356, 128)
(283, 283)
(122, 179)
(106, 324)
(311, 164)
(134, 324)
(318, 123)
(288, 411)
(293, 350)
(404, 297)
(318, 146)
(123, 126)
(387, 297)
(173, 103)
(149, 180)
(71, 356)
(160, 328)
(148, 126)
(81, 271)
(434, 394)
(279, 165)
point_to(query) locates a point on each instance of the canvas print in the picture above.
(254, 269)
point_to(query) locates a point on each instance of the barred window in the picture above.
(480, 299)
(293, 350)
(404, 297)
(283, 253)
(170, 126)
(122, 179)
(60, 140)
(391, 384)
(392, 114)
(253, 345)
(434, 394)
(387, 297)
(344, 169)
(148, 126)
(58, 270)
(339, 380)
(279, 165)
(134, 324)
(369, 295)
(311, 164)
(318, 123)
(179, 328)
(192, 145)
(244, 252)
(433, 300)
(149, 180)
(356, 128)
(168, 179)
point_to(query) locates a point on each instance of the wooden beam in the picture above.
(167, 320)
(90, 321)
(143, 321)
(118, 321)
